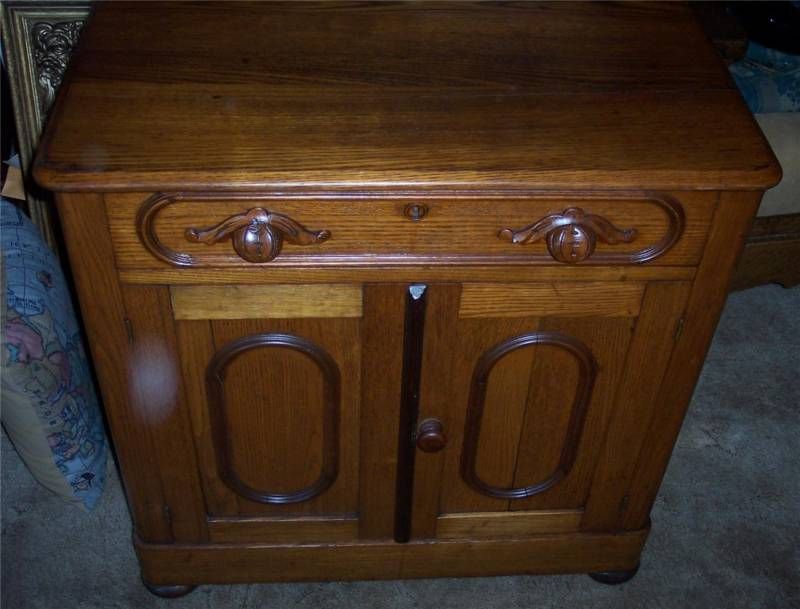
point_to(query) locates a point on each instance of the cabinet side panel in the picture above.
(635, 402)
(91, 257)
(157, 393)
(732, 222)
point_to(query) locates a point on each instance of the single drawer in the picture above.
(235, 230)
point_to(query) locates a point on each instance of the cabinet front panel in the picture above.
(276, 407)
(532, 413)
(279, 428)
(525, 394)
(275, 397)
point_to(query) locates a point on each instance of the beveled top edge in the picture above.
(527, 155)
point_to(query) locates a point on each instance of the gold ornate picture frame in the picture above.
(38, 40)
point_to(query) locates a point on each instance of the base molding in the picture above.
(183, 564)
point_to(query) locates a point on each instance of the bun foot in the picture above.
(169, 591)
(613, 578)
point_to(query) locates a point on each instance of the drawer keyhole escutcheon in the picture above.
(258, 234)
(415, 211)
(571, 235)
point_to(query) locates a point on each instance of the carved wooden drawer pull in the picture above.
(571, 235)
(257, 234)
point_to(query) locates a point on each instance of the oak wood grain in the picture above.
(278, 530)
(435, 402)
(275, 409)
(375, 229)
(504, 405)
(318, 398)
(369, 273)
(607, 339)
(551, 95)
(503, 415)
(550, 299)
(709, 290)
(636, 400)
(559, 553)
(381, 366)
(500, 525)
(523, 431)
(519, 38)
(549, 404)
(157, 394)
(352, 149)
(196, 349)
(273, 301)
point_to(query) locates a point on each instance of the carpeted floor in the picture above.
(725, 527)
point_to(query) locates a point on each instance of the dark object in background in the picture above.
(772, 24)
(722, 26)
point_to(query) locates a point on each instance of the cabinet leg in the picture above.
(613, 578)
(169, 591)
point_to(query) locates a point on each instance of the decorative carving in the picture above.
(257, 234)
(215, 382)
(35, 57)
(587, 371)
(145, 227)
(149, 210)
(53, 44)
(571, 235)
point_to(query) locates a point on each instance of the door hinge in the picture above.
(679, 329)
(623, 505)
(129, 330)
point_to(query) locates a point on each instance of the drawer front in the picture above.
(238, 230)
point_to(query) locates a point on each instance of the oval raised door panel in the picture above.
(224, 436)
(580, 395)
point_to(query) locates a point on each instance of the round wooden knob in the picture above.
(571, 243)
(258, 242)
(430, 436)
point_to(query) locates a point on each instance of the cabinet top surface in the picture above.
(355, 96)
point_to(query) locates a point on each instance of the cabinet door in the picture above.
(279, 381)
(524, 379)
